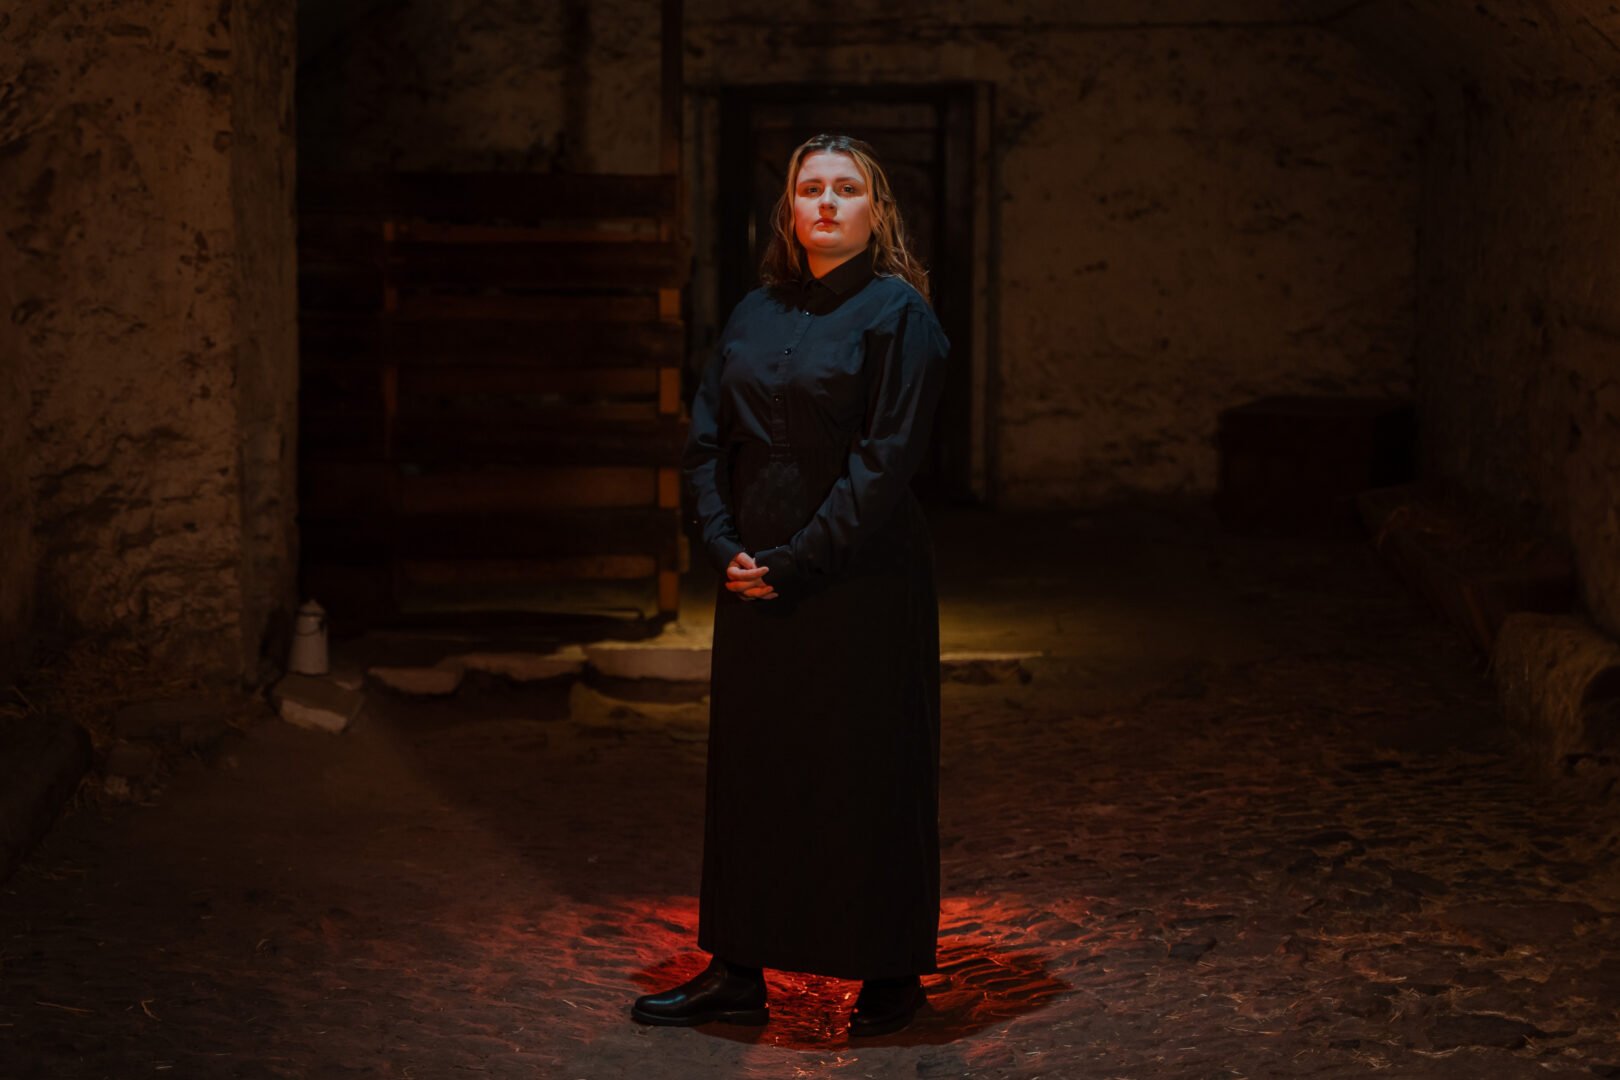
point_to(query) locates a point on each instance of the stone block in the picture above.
(316, 703)
(522, 666)
(649, 660)
(436, 681)
(985, 667)
(1559, 678)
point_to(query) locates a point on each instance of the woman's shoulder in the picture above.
(901, 299)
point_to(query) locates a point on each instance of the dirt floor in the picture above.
(1255, 814)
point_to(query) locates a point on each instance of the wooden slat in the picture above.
(669, 390)
(331, 431)
(520, 491)
(347, 287)
(531, 415)
(576, 384)
(561, 533)
(639, 265)
(346, 237)
(487, 196)
(352, 383)
(566, 307)
(430, 232)
(345, 489)
(336, 435)
(669, 591)
(524, 342)
(527, 571)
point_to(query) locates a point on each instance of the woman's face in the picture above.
(831, 209)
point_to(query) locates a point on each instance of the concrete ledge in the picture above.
(1559, 678)
(41, 762)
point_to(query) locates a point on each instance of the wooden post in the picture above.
(672, 94)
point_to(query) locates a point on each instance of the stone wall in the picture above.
(17, 556)
(263, 179)
(1519, 252)
(145, 167)
(1190, 212)
(1520, 338)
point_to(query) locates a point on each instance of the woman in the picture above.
(821, 849)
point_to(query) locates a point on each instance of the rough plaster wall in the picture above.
(1519, 254)
(116, 161)
(263, 175)
(1521, 298)
(1191, 220)
(17, 556)
(483, 84)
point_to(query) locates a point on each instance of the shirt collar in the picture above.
(842, 280)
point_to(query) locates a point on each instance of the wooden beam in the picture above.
(556, 534)
(333, 339)
(517, 197)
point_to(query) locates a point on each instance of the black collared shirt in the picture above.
(811, 420)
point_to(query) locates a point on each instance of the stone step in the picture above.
(610, 663)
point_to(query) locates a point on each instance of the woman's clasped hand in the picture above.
(747, 579)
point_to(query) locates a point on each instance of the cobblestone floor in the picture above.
(1254, 815)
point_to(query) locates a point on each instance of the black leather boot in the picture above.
(886, 1005)
(721, 991)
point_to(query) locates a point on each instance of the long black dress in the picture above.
(821, 846)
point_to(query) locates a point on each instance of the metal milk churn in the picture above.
(308, 655)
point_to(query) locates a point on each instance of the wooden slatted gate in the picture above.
(490, 383)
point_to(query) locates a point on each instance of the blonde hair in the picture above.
(784, 259)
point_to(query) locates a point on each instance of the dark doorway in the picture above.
(924, 137)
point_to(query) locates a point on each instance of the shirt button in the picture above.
(776, 397)
(786, 351)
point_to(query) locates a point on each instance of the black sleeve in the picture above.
(705, 468)
(902, 400)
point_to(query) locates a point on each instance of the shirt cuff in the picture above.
(722, 550)
(783, 572)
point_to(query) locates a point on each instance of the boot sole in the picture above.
(886, 1027)
(725, 1016)
(889, 1024)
